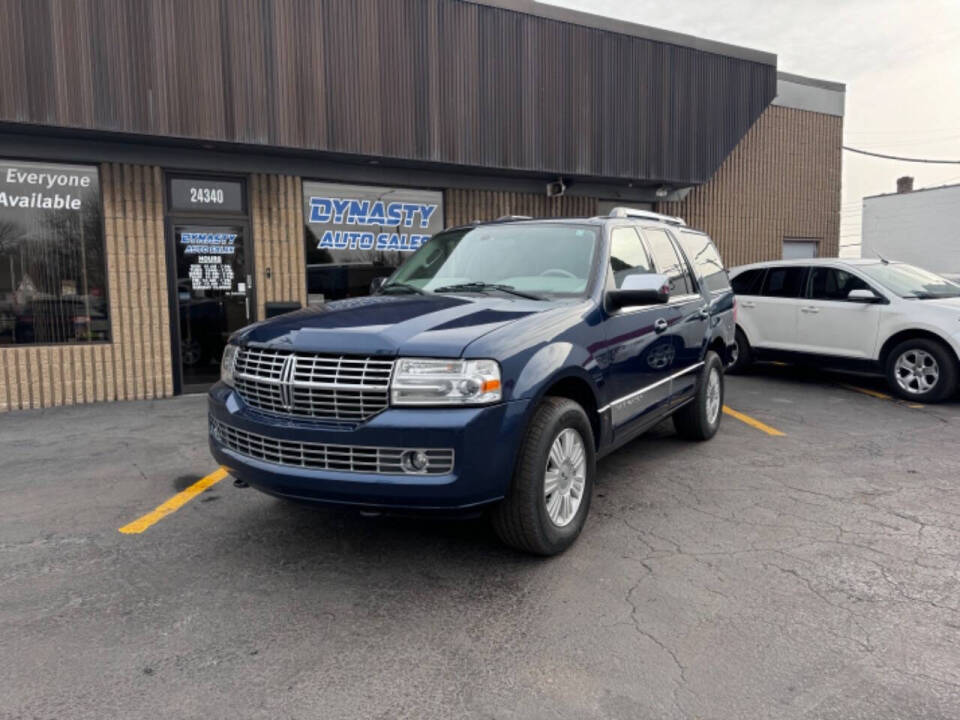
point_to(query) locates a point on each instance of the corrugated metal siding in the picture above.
(136, 363)
(465, 206)
(782, 180)
(439, 81)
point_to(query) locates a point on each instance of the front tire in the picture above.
(549, 497)
(700, 418)
(922, 370)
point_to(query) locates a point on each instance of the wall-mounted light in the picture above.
(662, 191)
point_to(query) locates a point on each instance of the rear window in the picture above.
(783, 282)
(748, 282)
(706, 260)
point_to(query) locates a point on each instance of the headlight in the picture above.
(419, 381)
(227, 363)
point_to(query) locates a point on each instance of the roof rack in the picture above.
(513, 217)
(624, 212)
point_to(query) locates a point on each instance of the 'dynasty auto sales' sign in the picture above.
(365, 220)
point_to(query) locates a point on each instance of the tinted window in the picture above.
(706, 260)
(832, 284)
(748, 282)
(53, 272)
(668, 262)
(627, 254)
(783, 282)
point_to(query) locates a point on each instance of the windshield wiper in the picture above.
(930, 296)
(406, 287)
(481, 286)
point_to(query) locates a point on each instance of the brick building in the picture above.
(172, 171)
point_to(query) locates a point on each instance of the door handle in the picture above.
(660, 325)
(811, 310)
(748, 304)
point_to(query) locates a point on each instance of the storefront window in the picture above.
(53, 279)
(355, 233)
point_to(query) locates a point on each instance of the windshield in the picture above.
(547, 259)
(909, 281)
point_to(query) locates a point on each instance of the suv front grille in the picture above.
(310, 385)
(318, 456)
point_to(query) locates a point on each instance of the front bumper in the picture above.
(484, 442)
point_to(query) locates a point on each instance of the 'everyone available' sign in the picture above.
(31, 187)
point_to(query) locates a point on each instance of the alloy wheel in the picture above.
(917, 371)
(565, 477)
(713, 396)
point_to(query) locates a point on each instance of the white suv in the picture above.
(869, 315)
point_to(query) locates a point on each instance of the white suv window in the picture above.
(828, 283)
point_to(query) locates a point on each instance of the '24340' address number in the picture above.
(207, 196)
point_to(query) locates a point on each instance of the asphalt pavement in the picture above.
(812, 574)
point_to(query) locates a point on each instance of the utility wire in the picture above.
(902, 159)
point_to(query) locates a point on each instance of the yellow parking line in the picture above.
(867, 391)
(174, 503)
(752, 422)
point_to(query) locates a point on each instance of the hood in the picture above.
(420, 325)
(952, 304)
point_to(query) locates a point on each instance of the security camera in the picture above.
(556, 188)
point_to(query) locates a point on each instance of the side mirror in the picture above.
(862, 295)
(640, 289)
(377, 283)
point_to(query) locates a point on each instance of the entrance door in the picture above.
(214, 297)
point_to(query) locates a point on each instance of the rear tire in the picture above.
(700, 418)
(743, 353)
(922, 370)
(532, 518)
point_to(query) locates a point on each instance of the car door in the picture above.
(746, 286)
(774, 312)
(829, 323)
(688, 313)
(636, 362)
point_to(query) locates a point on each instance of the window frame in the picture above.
(755, 286)
(107, 289)
(804, 269)
(692, 280)
(609, 255)
(808, 289)
(700, 280)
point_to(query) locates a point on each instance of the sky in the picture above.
(900, 61)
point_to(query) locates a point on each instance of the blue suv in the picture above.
(491, 370)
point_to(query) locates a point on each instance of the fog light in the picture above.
(414, 461)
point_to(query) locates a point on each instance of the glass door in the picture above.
(214, 297)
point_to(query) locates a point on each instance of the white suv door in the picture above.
(769, 317)
(829, 323)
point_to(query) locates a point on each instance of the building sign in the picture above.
(208, 243)
(355, 233)
(53, 279)
(207, 195)
(26, 186)
(209, 273)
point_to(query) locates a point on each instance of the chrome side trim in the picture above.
(648, 388)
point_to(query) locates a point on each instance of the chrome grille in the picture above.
(318, 456)
(310, 385)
